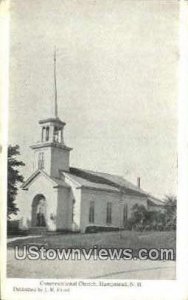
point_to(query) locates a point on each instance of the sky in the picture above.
(116, 84)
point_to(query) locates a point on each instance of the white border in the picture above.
(175, 289)
(4, 96)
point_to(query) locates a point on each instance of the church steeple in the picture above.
(52, 128)
(55, 87)
(51, 147)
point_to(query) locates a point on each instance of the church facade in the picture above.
(59, 197)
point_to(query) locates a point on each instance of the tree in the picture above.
(143, 219)
(14, 178)
(138, 214)
(170, 210)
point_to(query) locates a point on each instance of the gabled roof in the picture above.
(95, 180)
(82, 182)
(55, 181)
(105, 180)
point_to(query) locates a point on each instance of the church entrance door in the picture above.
(39, 211)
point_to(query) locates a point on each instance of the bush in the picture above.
(144, 220)
(95, 229)
(14, 230)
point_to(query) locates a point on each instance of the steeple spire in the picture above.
(51, 153)
(55, 87)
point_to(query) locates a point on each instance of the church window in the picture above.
(109, 213)
(47, 133)
(92, 212)
(125, 215)
(73, 209)
(43, 132)
(41, 160)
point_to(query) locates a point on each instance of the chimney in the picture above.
(138, 182)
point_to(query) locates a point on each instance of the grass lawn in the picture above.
(122, 269)
(122, 239)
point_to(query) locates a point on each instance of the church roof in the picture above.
(52, 120)
(83, 182)
(99, 179)
(95, 180)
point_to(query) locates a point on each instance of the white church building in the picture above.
(59, 197)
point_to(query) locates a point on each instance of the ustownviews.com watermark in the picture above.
(33, 252)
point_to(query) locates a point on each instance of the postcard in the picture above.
(94, 149)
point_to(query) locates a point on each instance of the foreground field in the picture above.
(116, 269)
(123, 239)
